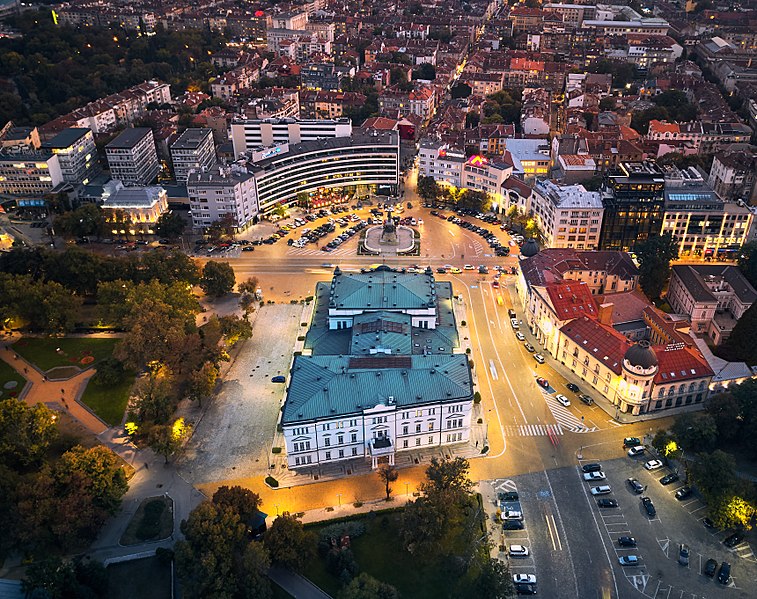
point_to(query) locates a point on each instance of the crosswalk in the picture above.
(565, 418)
(310, 250)
(533, 430)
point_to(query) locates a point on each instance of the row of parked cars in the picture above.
(512, 519)
(491, 238)
(340, 239)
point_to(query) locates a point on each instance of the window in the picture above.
(418, 442)
(404, 444)
(353, 437)
(328, 455)
(430, 426)
(340, 440)
(417, 428)
(327, 441)
(405, 430)
(341, 453)
(431, 440)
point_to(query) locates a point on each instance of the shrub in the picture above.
(110, 372)
(463, 323)
(471, 364)
(476, 397)
(480, 421)
(358, 504)
(271, 482)
(149, 527)
(467, 350)
(352, 529)
(303, 324)
(275, 449)
(301, 338)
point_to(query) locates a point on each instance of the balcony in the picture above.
(381, 447)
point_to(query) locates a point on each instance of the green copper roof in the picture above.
(382, 288)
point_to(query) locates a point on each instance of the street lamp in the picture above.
(339, 496)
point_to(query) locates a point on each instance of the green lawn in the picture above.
(108, 401)
(8, 374)
(378, 552)
(74, 351)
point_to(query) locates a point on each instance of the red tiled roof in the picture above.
(604, 343)
(679, 364)
(571, 300)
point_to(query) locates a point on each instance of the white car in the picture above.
(539, 358)
(634, 451)
(562, 399)
(512, 515)
(469, 267)
(653, 465)
(601, 490)
(520, 336)
(518, 551)
(592, 476)
(524, 578)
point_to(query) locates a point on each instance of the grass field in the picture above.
(132, 534)
(378, 553)
(144, 578)
(8, 374)
(108, 401)
(74, 351)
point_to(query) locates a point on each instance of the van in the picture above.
(514, 323)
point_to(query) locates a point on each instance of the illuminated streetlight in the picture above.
(339, 496)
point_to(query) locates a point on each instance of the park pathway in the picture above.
(60, 395)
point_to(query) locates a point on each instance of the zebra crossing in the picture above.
(310, 250)
(565, 418)
(533, 430)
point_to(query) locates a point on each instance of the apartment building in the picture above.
(194, 150)
(132, 157)
(569, 216)
(247, 134)
(77, 154)
(29, 173)
(219, 192)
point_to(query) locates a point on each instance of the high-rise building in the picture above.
(132, 157)
(192, 151)
(29, 173)
(77, 154)
(633, 196)
(250, 134)
(222, 192)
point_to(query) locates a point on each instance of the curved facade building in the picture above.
(283, 173)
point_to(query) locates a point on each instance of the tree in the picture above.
(170, 224)
(448, 475)
(748, 262)
(665, 444)
(732, 510)
(695, 431)
(494, 580)
(725, 410)
(205, 559)
(153, 396)
(250, 285)
(105, 478)
(740, 345)
(166, 439)
(388, 474)
(714, 473)
(425, 71)
(289, 544)
(745, 395)
(202, 382)
(428, 188)
(25, 433)
(472, 199)
(654, 256)
(234, 328)
(217, 278)
(53, 578)
(87, 220)
(364, 586)
(607, 103)
(253, 581)
(244, 502)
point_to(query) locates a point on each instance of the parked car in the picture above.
(710, 567)
(562, 399)
(653, 465)
(593, 476)
(649, 507)
(278, 379)
(520, 336)
(524, 578)
(733, 540)
(591, 467)
(513, 525)
(469, 267)
(539, 358)
(634, 451)
(601, 490)
(631, 442)
(628, 560)
(607, 502)
(542, 382)
(586, 399)
(636, 486)
(518, 551)
(509, 496)
(529, 347)
(523, 588)
(573, 387)
(724, 576)
(626, 541)
(683, 554)
(683, 493)
(512, 515)
(669, 478)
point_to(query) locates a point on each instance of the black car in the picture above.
(513, 525)
(631, 442)
(573, 387)
(626, 541)
(607, 503)
(636, 486)
(591, 467)
(649, 507)
(523, 588)
(708, 523)
(733, 540)
(585, 398)
(509, 496)
(725, 573)
(683, 493)
(710, 567)
(669, 478)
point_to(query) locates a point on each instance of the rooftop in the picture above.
(129, 138)
(191, 139)
(703, 281)
(66, 138)
(382, 289)
(134, 197)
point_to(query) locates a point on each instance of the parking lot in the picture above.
(658, 537)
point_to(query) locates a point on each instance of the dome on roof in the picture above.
(530, 248)
(641, 355)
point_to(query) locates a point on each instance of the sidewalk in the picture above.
(294, 584)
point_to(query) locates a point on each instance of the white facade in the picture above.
(77, 154)
(249, 134)
(569, 216)
(193, 151)
(29, 174)
(442, 163)
(132, 157)
(221, 191)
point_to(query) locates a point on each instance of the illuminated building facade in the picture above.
(77, 154)
(381, 373)
(29, 173)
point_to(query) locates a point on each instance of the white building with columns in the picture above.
(382, 372)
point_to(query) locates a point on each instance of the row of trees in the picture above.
(700, 439)
(54, 496)
(90, 220)
(460, 199)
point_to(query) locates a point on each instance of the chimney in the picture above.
(605, 313)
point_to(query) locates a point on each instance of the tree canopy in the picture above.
(217, 278)
(654, 256)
